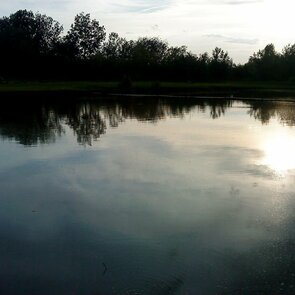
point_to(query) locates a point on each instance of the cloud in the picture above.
(241, 2)
(232, 2)
(181, 22)
(155, 28)
(140, 6)
(233, 39)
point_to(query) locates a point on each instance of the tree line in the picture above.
(34, 46)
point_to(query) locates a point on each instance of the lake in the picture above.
(147, 196)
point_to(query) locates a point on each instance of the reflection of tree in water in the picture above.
(217, 107)
(154, 110)
(87, 123)
(37, 123)
(264, 111)
(90, 120)
(30, 125)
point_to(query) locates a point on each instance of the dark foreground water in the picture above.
(147, 197)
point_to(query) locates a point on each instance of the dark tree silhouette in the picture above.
(28, 33)
(115, 47)
(27, 40)
(32, 47)
(149, 50)
(288, 61)
(85, 36)
(220, 64)
(266, 64)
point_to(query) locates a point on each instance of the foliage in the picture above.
(27, 33)
(32, 47)
(265, 64)
(85, 36)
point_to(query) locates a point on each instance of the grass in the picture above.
(167, 88)
(55, 86)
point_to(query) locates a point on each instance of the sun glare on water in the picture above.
(279, 152)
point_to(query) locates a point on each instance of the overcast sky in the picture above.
(239, 26)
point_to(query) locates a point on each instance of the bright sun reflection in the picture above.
(279, 152)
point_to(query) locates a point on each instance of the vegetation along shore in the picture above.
(36, 56)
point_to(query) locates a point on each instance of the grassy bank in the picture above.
(228, 89)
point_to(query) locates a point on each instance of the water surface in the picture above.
(141, 196)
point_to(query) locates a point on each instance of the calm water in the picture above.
(147, 197)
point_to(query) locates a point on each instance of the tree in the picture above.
(48, 32)
(27, 32)
(176, 53)
(221, 56)
(266, 64)
(111, 47)
(85, 36)
(118, 48)
(149, 50)
(289, 51)
(288, 61)
(220, 64)
(28, 41)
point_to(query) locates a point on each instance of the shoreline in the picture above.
(168, 90)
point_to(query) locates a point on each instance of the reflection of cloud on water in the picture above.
(261, 171)
(155, 211)
(273, 160)
(238, 160)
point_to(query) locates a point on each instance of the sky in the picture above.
(241, 27)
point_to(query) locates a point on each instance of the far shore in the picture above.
(225, 90)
